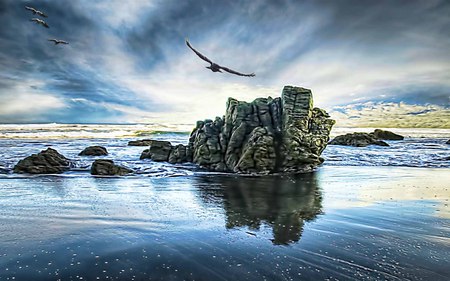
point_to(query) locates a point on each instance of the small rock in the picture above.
(94, 151)
(357, 139)
(48, 161)
(448, 142)
(158, 151)
(145, 142)
(386, 135)
(105, 167)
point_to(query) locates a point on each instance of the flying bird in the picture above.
(41, 22)
(57, 41)
(36, 12)
(214, 66)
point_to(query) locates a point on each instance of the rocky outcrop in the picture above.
(177, 154)
(268, 135)
(265, 136)
(385, 135)
(158, 151)
(94, 151)
(105, 167)
(357, 139)
(145, 142)
(164, 151)
(48, 161)
(448, 142)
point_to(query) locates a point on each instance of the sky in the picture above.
(368, 63)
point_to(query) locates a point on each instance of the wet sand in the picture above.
(346, 223)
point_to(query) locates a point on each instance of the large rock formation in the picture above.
(48, 161)
(105, 167)
(357, 139)
(94, 151)
(265, 136)
(385, 135)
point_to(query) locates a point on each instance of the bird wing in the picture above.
(198, 53)
(235, 72)
(30, 9)
(41, 14)
(53, 40)
(44, 23)
(63, 42)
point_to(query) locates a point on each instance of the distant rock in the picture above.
(448, 142)
(386, 135)
(158, 151)
(145, 142)
(357, 139)
(48, 161)
(265, 136)
(94, 151)
(105, 167)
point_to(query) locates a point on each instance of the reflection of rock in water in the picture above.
(284, 203)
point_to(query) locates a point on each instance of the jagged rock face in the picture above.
(104, 167)
(267, 135)
(305, 129)
(357, 139)
(48, 161)
(94, 151)
(177, 154)
(386, 135)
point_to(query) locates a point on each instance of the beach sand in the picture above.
(346, 223)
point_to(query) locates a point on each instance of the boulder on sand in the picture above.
(94, 151)
(105, 167)
(385, 135)
(357, 139)
(48, 161)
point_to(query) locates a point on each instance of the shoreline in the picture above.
(97, 226)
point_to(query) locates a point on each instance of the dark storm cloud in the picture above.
(26, 53)
(396, 50)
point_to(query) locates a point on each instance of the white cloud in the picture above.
(118, 13)
(27, 101)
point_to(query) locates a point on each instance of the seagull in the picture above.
(214, 66)
(41, 22)
(34, 11)
(57, 41)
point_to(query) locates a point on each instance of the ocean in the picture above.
(366, 214)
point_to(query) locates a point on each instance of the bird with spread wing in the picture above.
(36, 12)
(214, 66)
(57, 41)
(41, 22)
